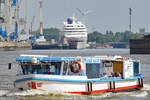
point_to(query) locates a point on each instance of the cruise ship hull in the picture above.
(77, 44)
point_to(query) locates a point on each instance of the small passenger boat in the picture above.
(78, 75)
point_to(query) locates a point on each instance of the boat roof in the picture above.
(94, 59)
(46, 58)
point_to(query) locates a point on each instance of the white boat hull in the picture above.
(76, 85)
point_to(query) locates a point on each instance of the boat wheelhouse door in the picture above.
(118, 67)
(128, 69)
(136, 68)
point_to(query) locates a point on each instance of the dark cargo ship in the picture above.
(140, 46)
(45, 46)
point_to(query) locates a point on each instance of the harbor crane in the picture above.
(83, 13)
(32, 22)
(9, 18)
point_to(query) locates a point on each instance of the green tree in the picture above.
(49, 33)
(112, 37)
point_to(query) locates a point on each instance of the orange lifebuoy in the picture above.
(79, 67)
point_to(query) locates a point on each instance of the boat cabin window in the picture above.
(52, 68)
(93, 70)
(55, 68)
(108, 68)
(112, 69)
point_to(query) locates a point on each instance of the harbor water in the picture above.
(7, 91)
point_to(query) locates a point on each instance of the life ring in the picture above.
(77, 70)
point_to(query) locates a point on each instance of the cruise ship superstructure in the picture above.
(74, 33)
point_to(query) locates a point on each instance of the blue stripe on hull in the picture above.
(69, 80)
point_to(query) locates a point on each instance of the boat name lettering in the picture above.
(92, 60)
(34, 84)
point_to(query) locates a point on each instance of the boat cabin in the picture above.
(92, 67)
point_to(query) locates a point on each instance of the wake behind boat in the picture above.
(78, 75)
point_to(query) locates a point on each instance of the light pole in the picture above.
(130, 15)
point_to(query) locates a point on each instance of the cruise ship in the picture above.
(74, 33)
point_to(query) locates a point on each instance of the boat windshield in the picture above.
(52, 68)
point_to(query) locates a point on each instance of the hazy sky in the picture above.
(106, 14)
